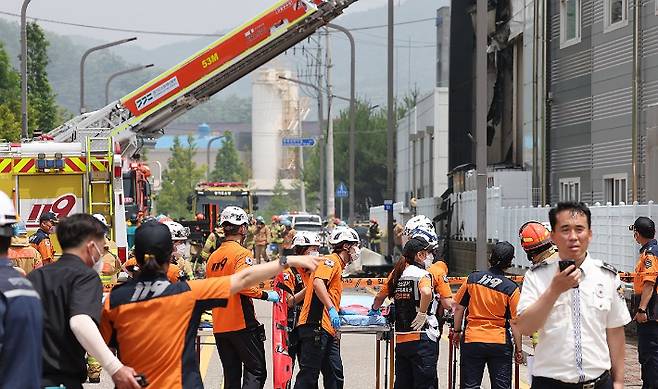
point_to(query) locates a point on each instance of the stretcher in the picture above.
(381, 332)
(200, 334)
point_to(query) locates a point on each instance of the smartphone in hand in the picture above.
(565, 263)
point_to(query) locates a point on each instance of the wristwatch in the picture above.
(641, 310)
(283, 261)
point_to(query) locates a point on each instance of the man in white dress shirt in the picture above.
(580, 312)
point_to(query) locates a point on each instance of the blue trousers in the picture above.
(498, 359)
(647, 350)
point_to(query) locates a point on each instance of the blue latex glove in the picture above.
(374, 312)
(335, 319)
(273, 297)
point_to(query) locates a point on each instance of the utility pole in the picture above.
(321, 143)
(481, 131)
(390, 144)
(302, 189)
(24, 132)
(331, 187)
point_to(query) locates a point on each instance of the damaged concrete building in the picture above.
(573, 95)
(516, 79)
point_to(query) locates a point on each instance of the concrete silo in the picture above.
(274, 116)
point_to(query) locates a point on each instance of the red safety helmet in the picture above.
(534, 236)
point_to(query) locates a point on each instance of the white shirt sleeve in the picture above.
(529, 292)
(85, 330)
(618, 315)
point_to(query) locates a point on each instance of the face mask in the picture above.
(429, 259)
(313, 253)
(356, 254)
(180, 250)
(98, 264)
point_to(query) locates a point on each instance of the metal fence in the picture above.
(612, 242)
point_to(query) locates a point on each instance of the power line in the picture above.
(386, 25)
(175, 33)
(106, 28)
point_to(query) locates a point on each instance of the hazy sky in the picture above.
(195, 16)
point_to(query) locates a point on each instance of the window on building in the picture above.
(570, 22)
(615, 14)
(615, 188)
(570, 189)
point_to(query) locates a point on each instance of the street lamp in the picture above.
(352, 137)
(117, 74)
(208, 154)
(82, 66)
(24, 132)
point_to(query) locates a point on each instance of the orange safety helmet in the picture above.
(534, 236)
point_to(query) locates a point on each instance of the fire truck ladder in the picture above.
(150, 108)
(99, 181)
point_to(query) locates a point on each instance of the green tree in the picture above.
(179, 179)
(10, 126)
(40, 93)
(370, 173)
(281, 202)
(228, 166)
(10, 100)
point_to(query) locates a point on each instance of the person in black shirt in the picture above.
(20, 315)
(71, 294)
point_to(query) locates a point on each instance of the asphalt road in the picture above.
(358, 353)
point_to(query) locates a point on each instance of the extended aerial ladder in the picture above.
(144, 113)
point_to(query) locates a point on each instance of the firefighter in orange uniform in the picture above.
(644, 302)
(489, 300)
(154, 322)
(319, 348)
(41, 239)
(294, 281)
(239, 336)
(24, 256)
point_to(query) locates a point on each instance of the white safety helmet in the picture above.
(306, 238)
(233, 215)
(343, 234)
(178, 232)
(100, 218)
(421, 226)
(7, 215)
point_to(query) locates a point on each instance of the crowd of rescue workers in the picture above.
(59, 327)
